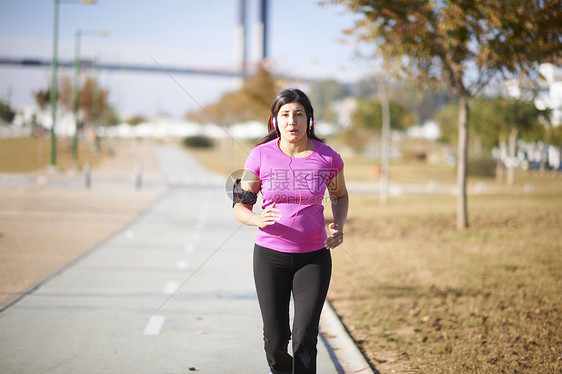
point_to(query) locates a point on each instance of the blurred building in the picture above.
(538, 155)
(550, 92)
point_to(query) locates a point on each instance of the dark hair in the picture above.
(291, 95)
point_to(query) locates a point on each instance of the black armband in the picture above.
(241, 196)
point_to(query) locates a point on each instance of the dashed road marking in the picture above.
(171, 287)
(154, 325)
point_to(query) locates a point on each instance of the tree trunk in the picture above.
(477, 147)
(462, 164)
(542, 161)
(511, 165)
(385, 144)
(499, 165)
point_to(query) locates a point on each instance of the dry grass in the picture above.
(420, 296)
(367, 169)
(25, 155)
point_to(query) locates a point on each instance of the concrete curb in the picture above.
(343, 351)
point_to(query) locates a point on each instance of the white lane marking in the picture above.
(154, 325)
(171, 287)
(188, 248)
(182, 265)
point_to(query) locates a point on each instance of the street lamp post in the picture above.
(96, 105)
(53, 95)
(76, 96)
(54, 68)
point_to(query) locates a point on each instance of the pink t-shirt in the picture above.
(297, 186)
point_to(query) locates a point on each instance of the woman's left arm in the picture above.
(340, 205)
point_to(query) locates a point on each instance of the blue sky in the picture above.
(304, 40)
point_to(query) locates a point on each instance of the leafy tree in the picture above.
(553, 135)
(463, 43)
(430, 101)
(65, 94)
(483, 122)
(424, 102)
(251, 102)
(369, 116)
(322, 94)
(524, 117)
(258, 91)
(495, 120)
(366, 120)
(135, 120)
(230, 108)
(110, 115)
(447, 117)
(42, 98)
(87, 101)
(516, 118)
(7, 114)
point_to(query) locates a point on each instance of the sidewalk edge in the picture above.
(343, 351)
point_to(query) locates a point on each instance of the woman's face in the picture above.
(291, 120)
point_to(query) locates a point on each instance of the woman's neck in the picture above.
(300, 149)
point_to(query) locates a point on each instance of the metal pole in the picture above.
(240, 38)
(138, 174)
(76, 94)
(88, 175)
(53, 95)
(263, 20)
(261, 32)
(54, 67)
(96, 108)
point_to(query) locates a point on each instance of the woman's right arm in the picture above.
(244, 213)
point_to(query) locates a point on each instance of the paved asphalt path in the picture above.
(172, 292)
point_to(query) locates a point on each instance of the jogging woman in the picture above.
(292, 168)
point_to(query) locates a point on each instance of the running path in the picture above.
(170, 293)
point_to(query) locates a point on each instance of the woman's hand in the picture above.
(268, 216)
(335, 238)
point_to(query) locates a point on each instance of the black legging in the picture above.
(307, 277)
